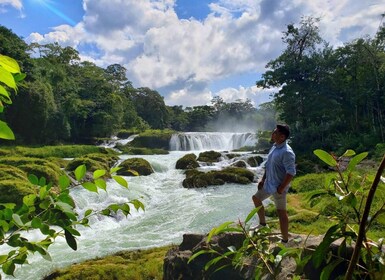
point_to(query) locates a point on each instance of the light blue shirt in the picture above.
(280, 161)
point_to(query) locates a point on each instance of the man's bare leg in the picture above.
(284, 224)
(261, 211)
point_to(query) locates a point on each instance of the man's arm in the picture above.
(286, 181)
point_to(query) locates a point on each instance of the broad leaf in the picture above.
(33, 179)
(90, 186)
(325, 157)
(8, 268)
(251, 214)
(5, 95)
(17, 220)
(6, 132)
(100, 183)
(349, 153)
(71, 241)
(99, 173)
(9, 64)
(356, 160)
(64, 182)
(80, 172)
(120, 180)
(7, 78)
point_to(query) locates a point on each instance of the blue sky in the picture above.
(189, 51)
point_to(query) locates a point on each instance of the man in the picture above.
(279, 171)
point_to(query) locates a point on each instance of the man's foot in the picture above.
(258, 227)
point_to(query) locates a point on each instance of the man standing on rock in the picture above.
(279, 171)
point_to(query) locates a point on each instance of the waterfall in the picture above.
(201, 141)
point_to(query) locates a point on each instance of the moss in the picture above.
(60, 151)
(93, 162)
(13, 190)
(209, 156)
(37, 166)
(153, 139)
(198, 179)
(188, 161)
(129, 150)
(141, 264)
(11, 172)
(139, 165)
(254, 161)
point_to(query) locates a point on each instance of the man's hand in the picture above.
(280, 189)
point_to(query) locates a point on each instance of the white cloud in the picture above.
(181, 58)
(17, 4)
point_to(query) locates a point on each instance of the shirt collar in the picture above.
(278, 146)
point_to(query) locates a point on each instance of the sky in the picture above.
(188, 50)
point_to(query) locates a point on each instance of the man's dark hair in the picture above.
(284, 129)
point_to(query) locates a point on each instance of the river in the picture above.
(170, 211)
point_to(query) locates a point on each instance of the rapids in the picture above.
(170, 211)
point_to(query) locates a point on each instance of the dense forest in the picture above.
(332, 97)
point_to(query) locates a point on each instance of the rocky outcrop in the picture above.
(177, 266)
(131, 166)
(198, 179)
(188, 161)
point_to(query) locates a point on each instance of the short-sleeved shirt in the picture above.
(280, 161)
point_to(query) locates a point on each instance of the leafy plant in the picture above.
(351, 190)
(10, 74)
(51, 211)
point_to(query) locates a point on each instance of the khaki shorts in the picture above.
(279, 199)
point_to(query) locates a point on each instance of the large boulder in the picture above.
(188, 161)
(131, 166)
(177, 263)
(210, 157)
(199, 179)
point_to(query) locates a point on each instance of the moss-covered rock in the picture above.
(188, 161)
(129, 150)
(36, 166)
(153, 139)
(138, 165)
(254, 161)
(209, 156)
(13, 190)
(93, 162)
(198, 179)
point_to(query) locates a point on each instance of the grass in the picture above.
(133, 265)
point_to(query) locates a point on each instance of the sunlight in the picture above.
(50, 5)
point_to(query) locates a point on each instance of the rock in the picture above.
(188, 161)
(177, 266)
(198, 179)
(139, 165)
(209, 157)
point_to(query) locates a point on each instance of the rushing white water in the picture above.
(170, 211)
(221, 141)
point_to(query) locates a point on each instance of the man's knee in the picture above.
(256, 200)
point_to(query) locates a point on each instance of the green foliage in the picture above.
(52, 212)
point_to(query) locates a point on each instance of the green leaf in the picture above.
(7, 78)
(137, 204)
(6, 132)
(3, 258)
(43, 192)
(17, 220)
(19, 77)
(90, 186)
(326, 272)
(8, 268)
(114, 170)
(99, 173)
(251, 214)
(9, 64)
(356, 160)
(349, 153)
(88, 212)
(4, 225)
(64, 182)
(36, 222)
(71, 241)
(322, 249)
(100, 183)
(5, 95)
(120, 180)
(42, 182)
(325, 157)
(201, 252)
(33, 179)
(29, 199)
(80, 172)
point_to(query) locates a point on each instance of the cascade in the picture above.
(221, 141)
